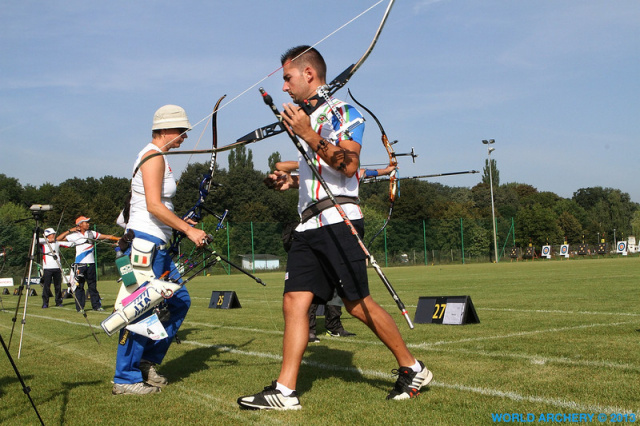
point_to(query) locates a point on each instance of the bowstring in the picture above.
(269, 75)
(204, 129)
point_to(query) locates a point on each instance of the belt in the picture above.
(158, 246)
(324, 204)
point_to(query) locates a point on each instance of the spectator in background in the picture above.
(332, 322)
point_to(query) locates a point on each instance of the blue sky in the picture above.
(554, 82)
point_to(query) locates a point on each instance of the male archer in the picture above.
(324, 255)
(51, 266)
(85, 264)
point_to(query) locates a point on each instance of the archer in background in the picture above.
(291, 166)
(151, 218)
(51, 266)
(85, 263)
(332, 322)
(324, 255)
(373, 173)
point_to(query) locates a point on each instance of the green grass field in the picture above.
(554, 337)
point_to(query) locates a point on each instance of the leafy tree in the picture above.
(104, 209)
(477, 239)
(606, 209)
(495, 173)
(571, 207)
(635, 223)
(524, 190)
(273, 159)
(570, 227)
(588, 197)
(16, 231)
(537, 224)
(10, 190)
(416, 197)
(73, 202)
(481, 195)
(545, 199)
(507, 201)
(42, 195)
(239, 158)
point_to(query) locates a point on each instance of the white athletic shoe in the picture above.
(409, 382)
(270, 399)
(141, 388)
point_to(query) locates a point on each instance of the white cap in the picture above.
(49, 231)
(170, 117)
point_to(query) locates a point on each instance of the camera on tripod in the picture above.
(37, 210)
(41, 207)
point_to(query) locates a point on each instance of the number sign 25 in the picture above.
(224, 300)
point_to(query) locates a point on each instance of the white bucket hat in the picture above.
(49, 231)
(170, 117)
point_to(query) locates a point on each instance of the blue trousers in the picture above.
(137, 347)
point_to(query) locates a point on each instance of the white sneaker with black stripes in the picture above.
(270, 399)
(409, 382)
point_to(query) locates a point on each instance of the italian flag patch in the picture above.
(141, 260)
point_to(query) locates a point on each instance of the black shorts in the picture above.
(321, 260)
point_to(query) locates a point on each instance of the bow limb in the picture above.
(195, 213)
(224, 148)
(338, 82)
(60, 221)
(214, 139)
(329, 89)
(393, 161)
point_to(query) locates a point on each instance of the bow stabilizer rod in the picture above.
(376, 179)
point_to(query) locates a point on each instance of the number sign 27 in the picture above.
(439, 311)
(455, 310)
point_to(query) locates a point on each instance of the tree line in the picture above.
(539, 217)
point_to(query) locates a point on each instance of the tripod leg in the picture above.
(15, 314)
(26, 389)
(27, 278)
(24, 318)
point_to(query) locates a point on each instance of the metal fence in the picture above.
(257, 246)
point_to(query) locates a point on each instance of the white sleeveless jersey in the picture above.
(139, 217)
(85, 252)
(51, 251)
(339, 122)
